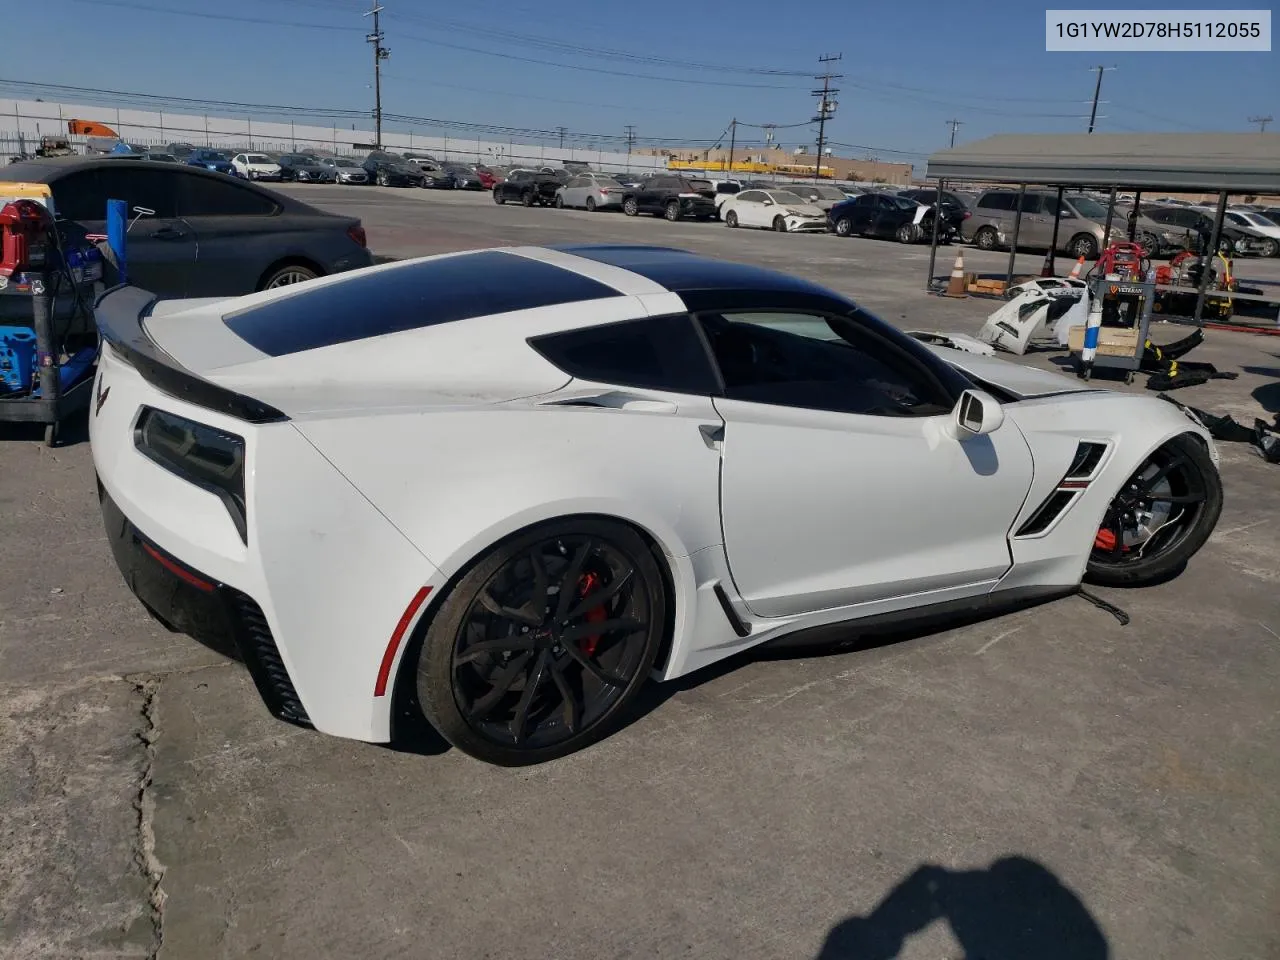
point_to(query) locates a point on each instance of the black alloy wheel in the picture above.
(543, 642)
(1161, 516)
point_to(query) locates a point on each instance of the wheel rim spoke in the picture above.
(599, 598)
(569, 582)
(592, 668)
(571, 634)
(501, 684)
(519, 615)
(1147, 485)
(572, 708)
(485, 648)
(521, 719)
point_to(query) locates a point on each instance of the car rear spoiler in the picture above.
(119, 313)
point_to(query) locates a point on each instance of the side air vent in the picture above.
(1085, 464)
(1049, 511)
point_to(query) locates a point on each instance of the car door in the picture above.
(161, 249)
(839, 483)
(1037, 221)
(239, 235)
(654, 193)
(575, 191)
(862, 213)
(747, 205)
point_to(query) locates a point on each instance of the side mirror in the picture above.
(975, 415)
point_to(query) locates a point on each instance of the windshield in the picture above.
(1089, 208)
(258, 158)
(786, 196)
(345, 163)
(607, 184)
(829, 193)
(212, 155)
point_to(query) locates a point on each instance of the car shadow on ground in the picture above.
(1015, 909)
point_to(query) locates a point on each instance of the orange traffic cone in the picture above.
(955, 286)
(1046, 268)
(1075, 271)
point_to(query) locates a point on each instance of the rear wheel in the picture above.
(731, 218)
(630, 207)
(382, 178)
(497, 196)
(672, 211)
(543, 643)
(1159, 519)
(987, 239)
(1083, 245)
(1269, 248)
(591, 204)
(779, 224)
(289, 275)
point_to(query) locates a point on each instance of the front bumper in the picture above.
(804, 224)
(190, 602)
(265, 176)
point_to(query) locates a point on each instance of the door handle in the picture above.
(168, 233)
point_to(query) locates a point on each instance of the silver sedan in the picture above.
(592, 191)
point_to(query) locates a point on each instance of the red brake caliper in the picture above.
(1105, 540)
(587, 583)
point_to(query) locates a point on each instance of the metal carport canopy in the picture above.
(1232, 162)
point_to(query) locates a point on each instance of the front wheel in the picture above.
(591, 204)
(539, 648)
(1157, 521)
(527, 198)
(779, 224)
(382, 178)
(497, 197)
(672, 211)
(731, 218)
(630, 207)
(906, 233)
(1269, 248)
(559, 202)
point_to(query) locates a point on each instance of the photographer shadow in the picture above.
(1016, 909)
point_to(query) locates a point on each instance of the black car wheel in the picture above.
(527, 198)
(630, 207)
(987, 239)
(591, 204)
(672, 211)
(906, 233)
(731, 218)
(289, 275)
(497, 196)
(538, 649)
(844, 227)
(779, 224)
(1161, 516)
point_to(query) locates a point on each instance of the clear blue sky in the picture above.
(908, 67)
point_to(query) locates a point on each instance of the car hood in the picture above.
(1022, 381)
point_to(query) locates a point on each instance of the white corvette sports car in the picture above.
(507, 487)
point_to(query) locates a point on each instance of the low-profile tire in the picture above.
(630, 207)
(527, 198)
(731, 218)
(986, 239)
(591, 204)
(538, 649)
(779, 224)
(288, 275)
(844, 227)
(497, 197)
(906, 233)
(1083, 245)
(672, 211)
(1269, 248)
(1176, 495)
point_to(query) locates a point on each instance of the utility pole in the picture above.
(631, 140)
(380, 53)
(1097, 90)
(826, 105)
(954, 124)
(733, 142)
(1261, 122)
(561, 131)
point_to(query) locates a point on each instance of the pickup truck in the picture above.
(530, 187)
(673, 197)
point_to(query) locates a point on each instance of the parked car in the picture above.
(345, 170)
(210, 235)
(256, 166)
(685, 486)
(181, 150)
(883, 215)
(390, 170)
(822, 195)
(158, 156)
(304, 168)
(724, 190)
(464, 177)
(487, 176)
(632, 178)
(954, 210)
(594, 191)
(671, 196)
(1193, 229)
(530, 187)
(779, 210)
(1267, 243)
(436, 177)
(214, 160)
(421, 159)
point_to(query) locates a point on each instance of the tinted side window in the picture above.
(79, 196)
(154, 189)
(660, 353)
(206, 197)
(866, 200)
(996, 201)
(820, 363)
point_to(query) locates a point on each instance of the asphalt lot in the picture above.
(1049, 784)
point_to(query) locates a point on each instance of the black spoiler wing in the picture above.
(119, 313)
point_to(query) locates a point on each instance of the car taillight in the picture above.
(604, 192)
(356, 233)
(967, 215)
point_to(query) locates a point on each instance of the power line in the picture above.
(1261, 122)
(826, 105)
